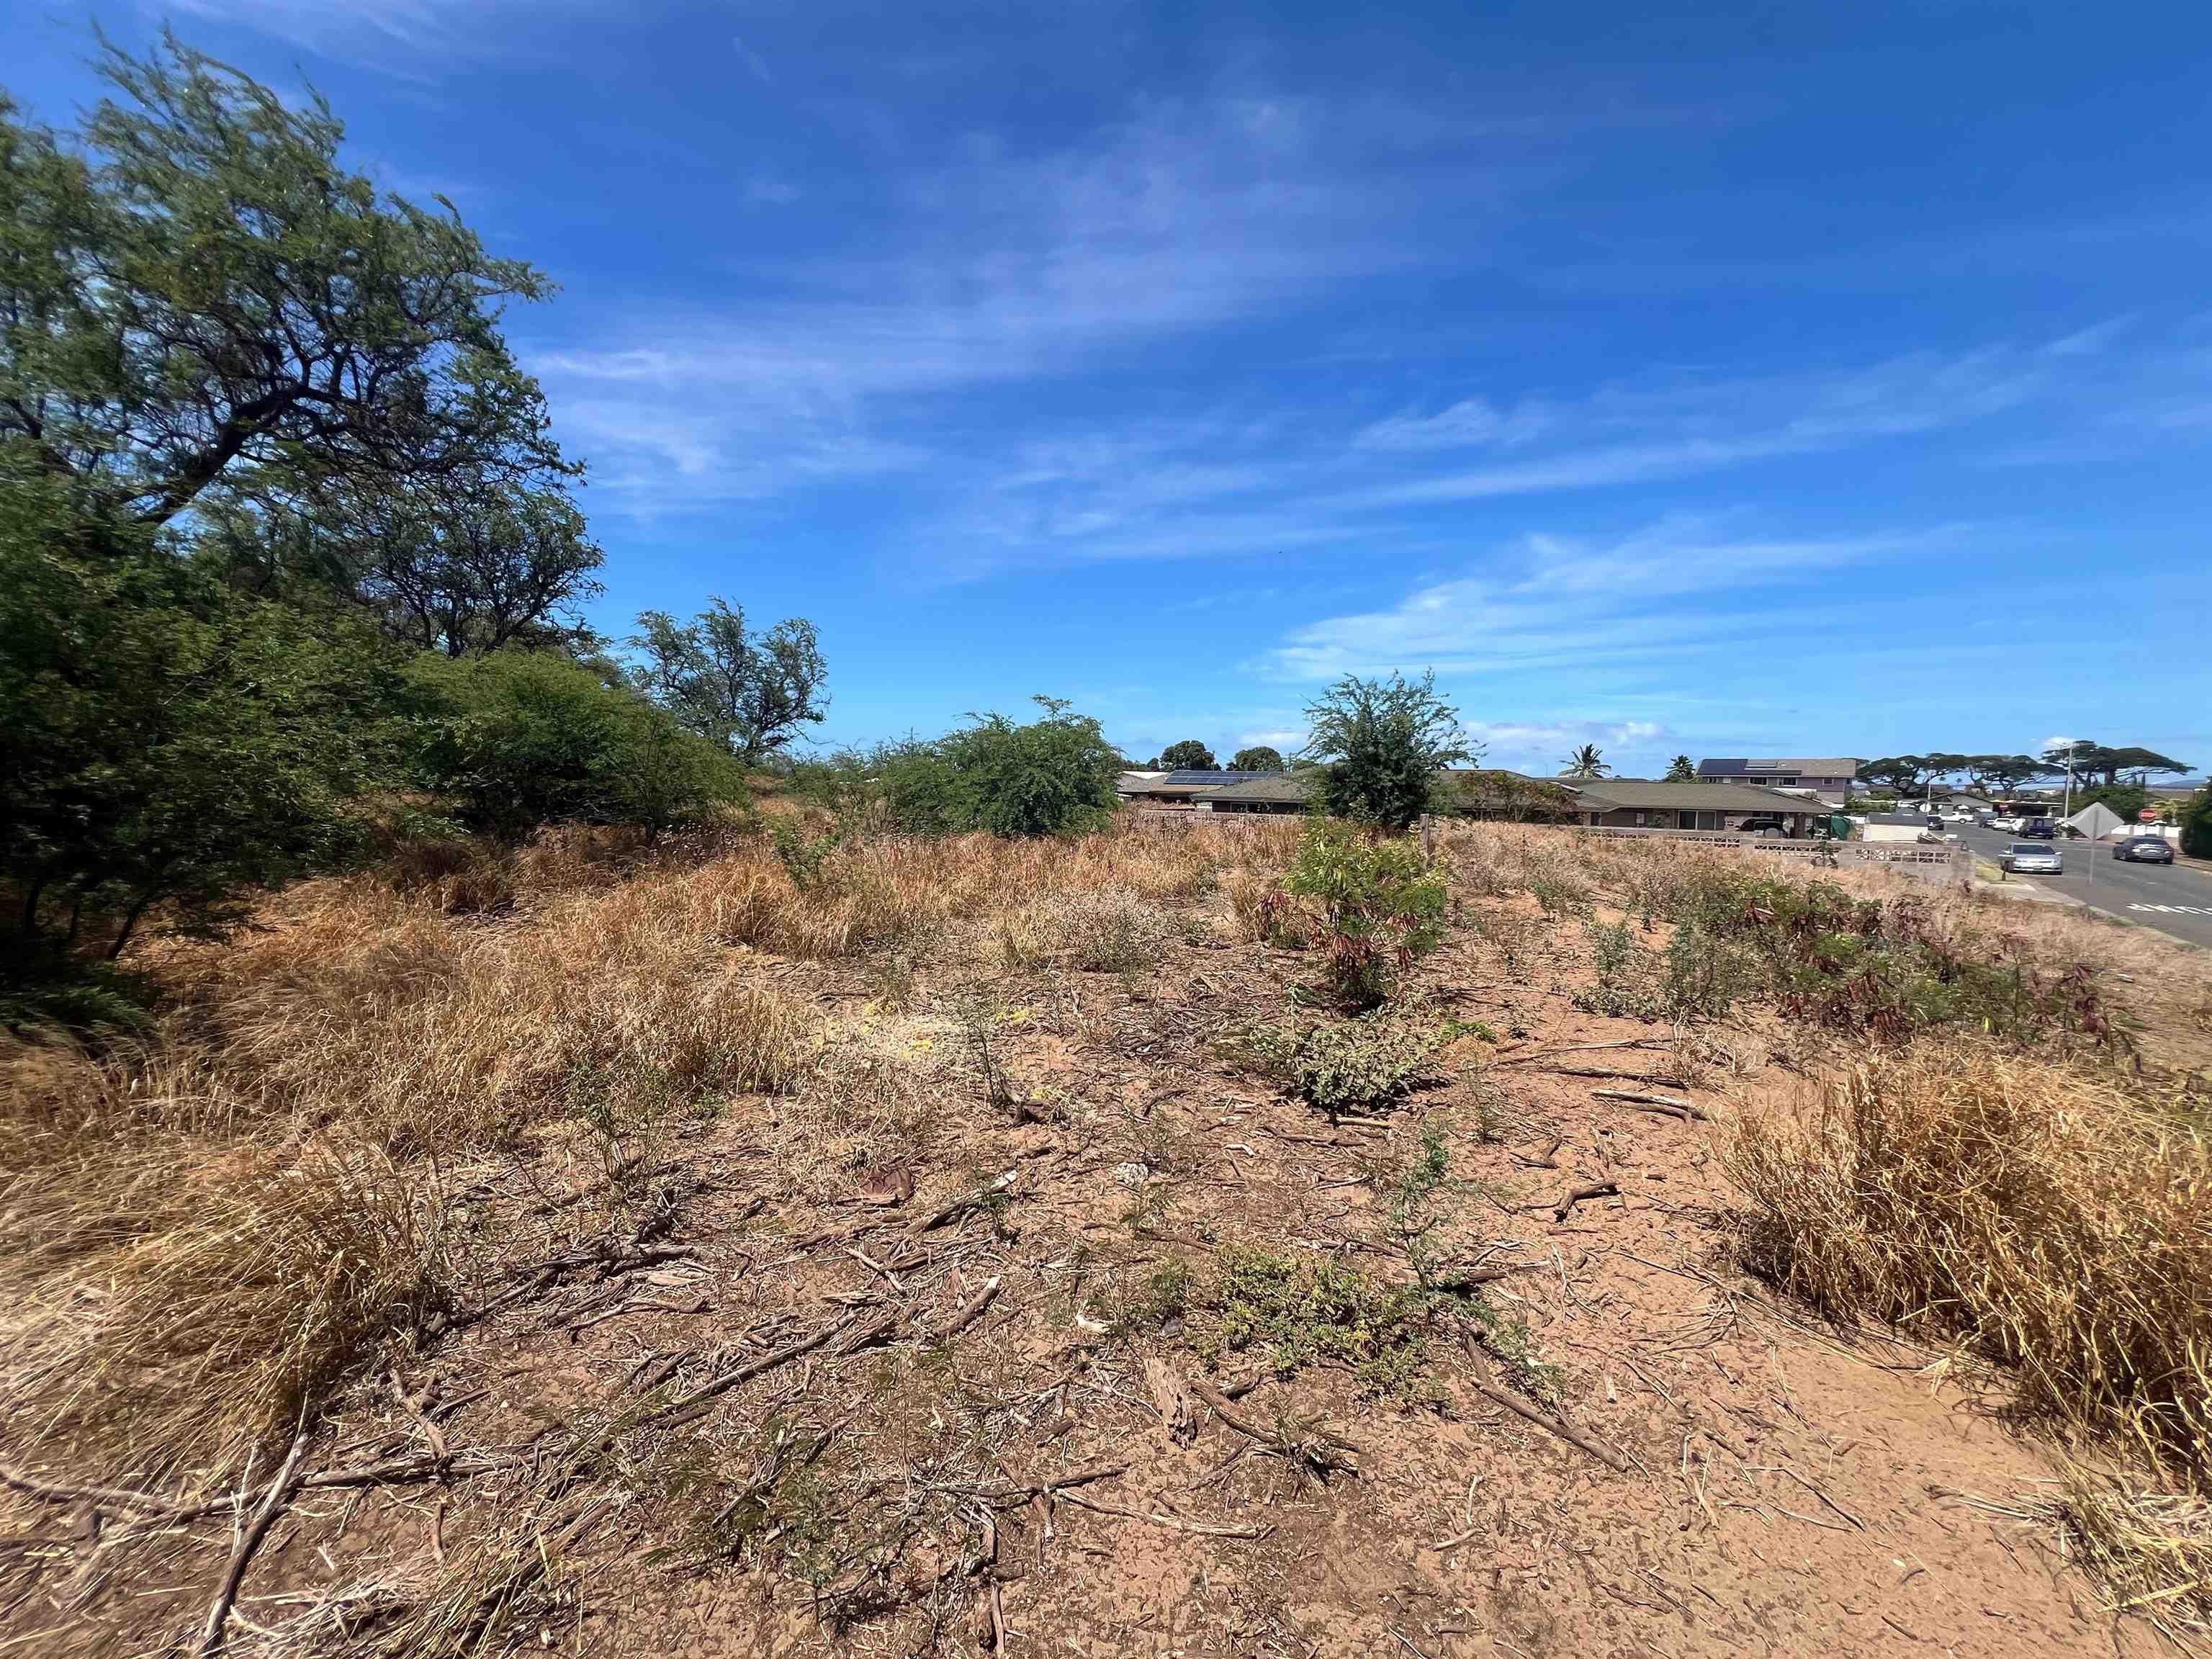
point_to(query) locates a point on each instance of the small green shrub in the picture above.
(1051, 777)
(1704, 973)
(1301, 1311)
(520, 739)
(1557, 893)
(1378, 910)
(1342, 1067)
(1161, 1295)
(1620, 986)
(1414, 1188)
(802, 855)
(2197, 824)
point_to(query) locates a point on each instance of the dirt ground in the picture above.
(854, 1369)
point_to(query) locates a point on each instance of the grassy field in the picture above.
(783, 1239)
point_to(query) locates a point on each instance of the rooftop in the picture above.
(1649, 794)
(1839, 766)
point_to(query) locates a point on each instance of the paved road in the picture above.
(2172, 897)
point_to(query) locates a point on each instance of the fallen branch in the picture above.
(1660, 1105)
(967, 1201)
(166, 1511)
(1465, 1279)
(1566, 1431)
(1173, 1523)
(1547, 1159)
(248, 1541)
(1573, 1049)
(974, 1311)
(1656, 1079)
(1321, 1451)
(694, 1404)
(1575, 1196)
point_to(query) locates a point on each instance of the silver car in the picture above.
(2144, 850)
(2028, 858)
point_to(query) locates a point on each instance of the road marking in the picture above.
(2176, 909)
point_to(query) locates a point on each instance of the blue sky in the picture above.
(1727, 378)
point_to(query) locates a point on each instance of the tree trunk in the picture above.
(130, 920)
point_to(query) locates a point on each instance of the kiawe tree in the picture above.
(207, 324)
(1261, 757)
(751, 694)
(1383, 742)
(1189, 756)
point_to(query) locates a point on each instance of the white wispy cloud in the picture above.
(998, 269)
(1541, 747)
(1554, 600)
(344, 28)
(1642, 432)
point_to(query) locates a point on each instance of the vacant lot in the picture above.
(802, 1244)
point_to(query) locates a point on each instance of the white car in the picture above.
(2028, 858)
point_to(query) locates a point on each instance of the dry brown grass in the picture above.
(209, 1231)
(2055, 1219)
(1101, 930)
(176, 1300)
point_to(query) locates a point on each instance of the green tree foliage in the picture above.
(749, 693)
(2100, 764)
(1586, 762)
(1053, 776)
(454, 565)
(2197, 824)
(1258, 759)
(2125, 801)
(1680, 770)
(166, 738)
(520, 738)
(1189, 755)
(1382, 742)
(1378, 908)
(1903, 774)
(210, 328)
(202, 288)
(2005, 772)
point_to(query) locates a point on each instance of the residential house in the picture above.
(1272, 791)
(1612, 803)
(1830, 779)
(1180, 788)
(1648, 803)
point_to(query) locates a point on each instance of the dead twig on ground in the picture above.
(1320, 1450)
(976, 1199)
(1663, 1105)
(1656, 1080)
(248, 1541)
(1575, 1196)
(1559, 1426)
(1173, 1523)
(972, 1311)
(1511, 1058)
(1547, 1159)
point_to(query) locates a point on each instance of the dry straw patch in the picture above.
(1099, 930)
(2058, 1220)
(175, 1300)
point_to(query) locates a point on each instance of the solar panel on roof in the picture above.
(1198, 778)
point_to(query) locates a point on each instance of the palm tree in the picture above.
(1586, 762)
(1682, 771)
